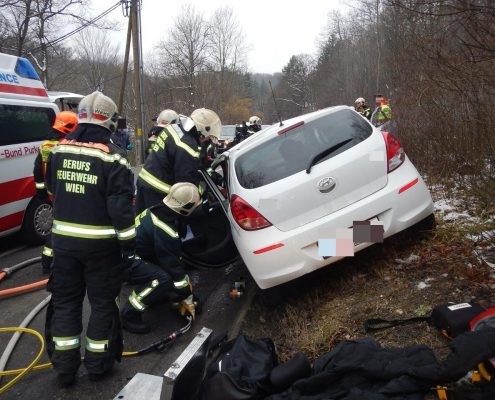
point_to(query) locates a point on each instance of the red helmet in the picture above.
(65, 122)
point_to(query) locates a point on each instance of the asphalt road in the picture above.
(219, 312)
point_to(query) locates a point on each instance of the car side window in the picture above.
(23, 124)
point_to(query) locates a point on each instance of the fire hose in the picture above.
(159, 345)
(6, 272)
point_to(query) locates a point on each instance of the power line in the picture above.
(80, 28)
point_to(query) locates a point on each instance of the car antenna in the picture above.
(276, 107)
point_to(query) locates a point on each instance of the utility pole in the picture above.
(141, 79)
(126, 64)
(138, 90)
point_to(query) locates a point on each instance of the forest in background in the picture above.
(434, 60)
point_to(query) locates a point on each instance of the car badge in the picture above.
(326, 185)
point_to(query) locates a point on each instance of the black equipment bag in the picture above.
(454, 319)
(241, 370)
(451, 319)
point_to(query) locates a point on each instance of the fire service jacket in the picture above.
(40, 162)
(92, 187)
(174, 157)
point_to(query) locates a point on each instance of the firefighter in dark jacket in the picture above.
(65, 123)
(166, 117)
(254, 125)
(175, 157)
(160, 272)
(362, 108)
(93, 241)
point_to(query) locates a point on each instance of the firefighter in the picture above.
(383, 112)
(175, 157)
(65, 123)
(166, 117)
(254, 125)
(362, 108)
(93, 234)
(160, 271)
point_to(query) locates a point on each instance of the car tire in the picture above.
(426, 225)
(37, 222)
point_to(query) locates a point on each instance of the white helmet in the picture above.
(98, 109)
(167, 117)
(207, 122)
(360, 101)
(254, 120)
(183, 198)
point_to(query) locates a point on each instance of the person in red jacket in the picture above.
(65, 123)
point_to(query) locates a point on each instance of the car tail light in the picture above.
(395, 152)
(246, 216)
(291, 127)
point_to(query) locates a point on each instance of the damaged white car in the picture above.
(307, 183)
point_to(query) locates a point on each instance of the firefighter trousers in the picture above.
(74, 275)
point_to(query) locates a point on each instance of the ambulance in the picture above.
(26, 117)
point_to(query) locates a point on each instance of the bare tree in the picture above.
(185, 51)
(296, 87)
(228, 53)
(32, 28)
(98, 58)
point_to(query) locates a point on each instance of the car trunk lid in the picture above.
(349, 160)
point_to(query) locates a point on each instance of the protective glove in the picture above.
(188, 307)
(216, 178)
(129, 257)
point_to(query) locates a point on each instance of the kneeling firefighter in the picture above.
(93, 234)
(160, 271)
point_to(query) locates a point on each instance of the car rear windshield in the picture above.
(292, 152)
(21, 124)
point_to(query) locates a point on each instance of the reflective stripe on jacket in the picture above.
(174, 157)
(93, 188)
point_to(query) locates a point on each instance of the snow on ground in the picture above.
(409, 260)
(485, 235)
(453, 206)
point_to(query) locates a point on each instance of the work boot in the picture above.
(98, 377)
(46, 264)
(67, 379)
(132, 320)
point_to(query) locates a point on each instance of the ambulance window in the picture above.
(21, 124)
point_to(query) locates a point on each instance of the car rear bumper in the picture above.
(299, 253)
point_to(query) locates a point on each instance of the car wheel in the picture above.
(426, 225)
(37, 222)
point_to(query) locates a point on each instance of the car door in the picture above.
(209, 240)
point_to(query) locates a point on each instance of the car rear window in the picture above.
(292, 152)
(21, 124)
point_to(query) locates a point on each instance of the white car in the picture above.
(291, 187)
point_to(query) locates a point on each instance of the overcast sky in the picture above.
(274, 29)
